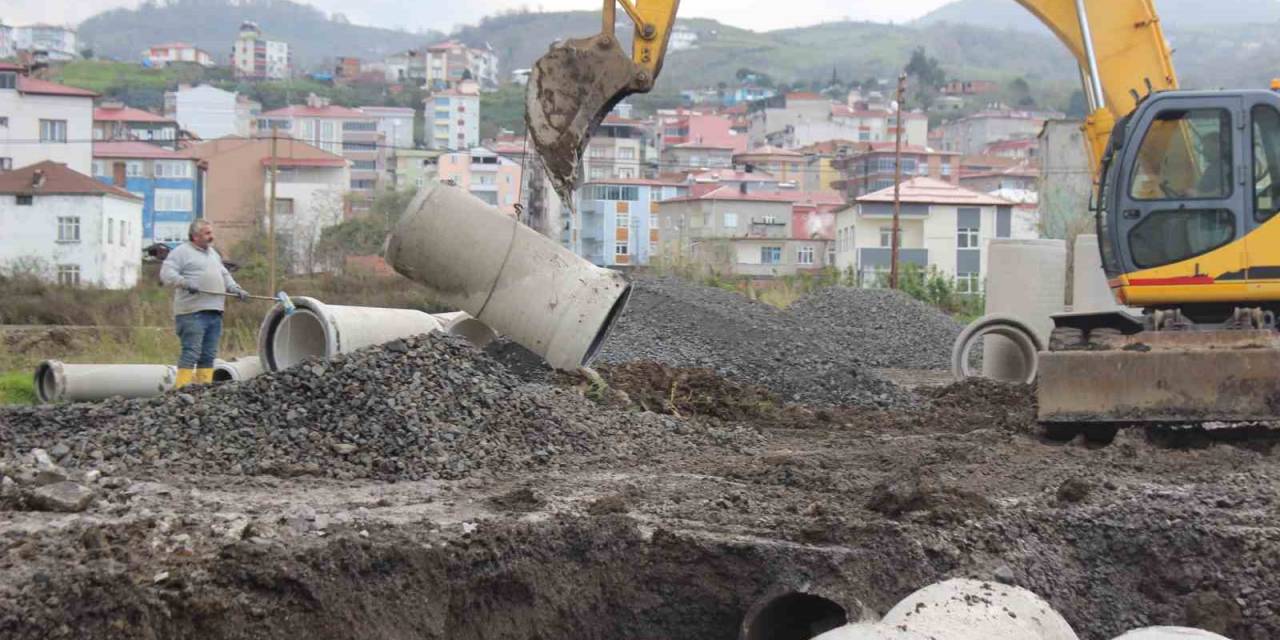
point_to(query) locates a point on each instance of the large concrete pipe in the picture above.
(1089, 288)
(460, 323)
(872, 631)
(316, 329)
(1026, 280)
(1170, 633)
(237, 370)
(56, 381)
(1022, 362)
(475, 258)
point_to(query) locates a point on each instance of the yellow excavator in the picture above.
(1187, 188)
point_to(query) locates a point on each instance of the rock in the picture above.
(8, 487)
(59, 451)
(41, 458)
(50, 475)
(91, 476)
(67, 497)
(1074, 490)
(342, 448)
(1004, 574)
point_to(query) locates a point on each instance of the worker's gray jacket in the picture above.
(191, 266)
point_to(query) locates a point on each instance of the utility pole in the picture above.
(897, 185)
(271, 219)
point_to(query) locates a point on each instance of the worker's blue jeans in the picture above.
(199, 333)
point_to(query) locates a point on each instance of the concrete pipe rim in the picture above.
(50, 382)
(610, 319)
(1016, 331)
(473, 331)
(269, 333)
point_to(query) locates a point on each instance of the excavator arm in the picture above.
(1118, 45)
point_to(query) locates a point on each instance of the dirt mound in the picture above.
(651, 386)
(882, 327)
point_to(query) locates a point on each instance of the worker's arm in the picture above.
(230, 283)
(171, 272)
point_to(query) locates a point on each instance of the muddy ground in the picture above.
(858, 506)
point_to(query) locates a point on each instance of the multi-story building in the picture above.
(347, 132)
(941, 226)
(162, 55)
(236, 186)
(453, 118)
(872, 167)
(616, 221)
(346, 69)
(209, 112)
(787, 166)
(1023, 176)
(169, 183)
(819, 174)
(396, 126)
(254, 57)
(58, 117)
(449, 63)
(69, 228)
(773, 116)
(112, 121)
(971, 135)
(412, 166)
(617, 149)
(878, 125)
(703, 182)
(695, 156)
(55, 42)
(8, 48)
(483, 173)
(406, 67)
(699, 128)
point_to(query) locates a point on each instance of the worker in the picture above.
(196, 271)
(1213, 183)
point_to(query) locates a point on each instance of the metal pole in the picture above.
(897, 185)
(271, 218)
(1086, 35)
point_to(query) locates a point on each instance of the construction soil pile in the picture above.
(423, 490)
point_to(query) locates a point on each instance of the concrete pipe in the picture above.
(1021, 362)
(1170, 633)
(1027, 280)
(56, 381)
(964, 609)
(460, 323)
(872, 631)
(237, 370)
(1089, 288)
(527, 287)
(316, 329)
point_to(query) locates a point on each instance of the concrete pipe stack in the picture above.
(1089, 288)
(56, 381)
(316, 329)
(1027, 281)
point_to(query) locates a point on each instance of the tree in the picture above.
(1020, 93)
(925, 77)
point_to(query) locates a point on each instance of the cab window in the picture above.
(1185, 155)
(1266, 163)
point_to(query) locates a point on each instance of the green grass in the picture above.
(16, 388)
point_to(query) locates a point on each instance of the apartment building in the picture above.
(699, 128)
(819, 174)
(706, 181)
(872, 167)
(483, 173)
(617, 223)
(411, 167)
(453, 118)
(450, 63)
(254, 57)
(787, 166)
(162, 55)
(168, 182)
(342, 131)
(971, 135)
(69, 228)
(406, 67)
(695, 156)
(879, 125)
(60, 118)
(209, 112)
(619, 148)
(112, 121)
(57, 43)
(396, 126)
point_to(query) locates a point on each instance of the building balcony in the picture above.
(881, 258)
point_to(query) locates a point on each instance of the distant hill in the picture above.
(314, 38)
(1174, 14)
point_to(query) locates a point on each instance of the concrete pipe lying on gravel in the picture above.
(1026, 279)
(316, 329)
(460, 323)
(56, 381)
(1020, 360)
(237, 370)
(1170, 633)
(527, 287)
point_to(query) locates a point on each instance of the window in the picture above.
(442, 102)
(615, 192)
(968, 284)
(1185, 154)
(171, 169)
(8, 80)
(1266, 162)
(6, 164)
(4, 120)
(68, 229)
(804, 255)
(133, 169)
(770, 255)
(886, 236)
(124, 232)
(946, 167)
(599, 152)
(25, 201)
(622, 220)
(69, 275)
(352, 125)
(100, 169)
(284, 206)
(731, 221)
(598, 173)
(1168, 236)
(111, 231)
(626, 153)
(966, 238)
(53, 131)
(362, 184)
(170, 231)
(172, 200)
(364, 165)
(359, 146)
(621, 249)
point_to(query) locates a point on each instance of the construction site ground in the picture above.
(726, 496)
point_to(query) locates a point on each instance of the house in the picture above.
(801, 119)
(346, 68)
(453, 118)
(209, 112)
(971, 134)
(879, 125)
(483, 173)
(112, 121)
(682, 38)
(69, 228)
(773, 116)
(450, 63)
(58, 44)
(411, 167)
(819, 173)
(236, 184)
(742, 233)
(787, 166)
(617, 226)
(1023, 176)
(162, 55)
(58, 117)
(406, 67)
(349, 133)
(1020, 149)
(254, 57)
(395, 124)
(872, 167)
(942, 226)
(969, 87)
(701, 128)
(617, 149)
(696, 156)
(169, 183)
(701, 182)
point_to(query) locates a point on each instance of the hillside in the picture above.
(212, 25)
(1174, 14)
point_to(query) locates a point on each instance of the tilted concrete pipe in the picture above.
(460, 323)
(316, 329)
(1170, 633)
(1027, 280)
(1089, 288)
(57, 381)
(237, 370)
(527, 287)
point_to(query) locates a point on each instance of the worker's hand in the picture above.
(190, 287)
(241, 294)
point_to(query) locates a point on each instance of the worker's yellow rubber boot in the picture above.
(204, 376)
(185, 377)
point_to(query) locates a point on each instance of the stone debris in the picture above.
(67, 497)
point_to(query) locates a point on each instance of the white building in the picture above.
(941, 225)
(309, 199)
(210, 113)
(256, 58)
(60, 118)
(682, 38)
(69, 228)
(164, 54)
(395, 124)
(8, 48)
(453, 118)
(58, 42)
(450, 63)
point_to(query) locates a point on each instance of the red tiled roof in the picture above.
(931, 191)
(126, 114)
(9, 66)
(136, 149)
(804, 95)
(642, 182)
(306, 162)
(721, 175)
(28, 84)
(58, 180)
(303, 111)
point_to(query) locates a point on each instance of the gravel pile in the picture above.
(425, 407)
(885, 328)
(821, 351)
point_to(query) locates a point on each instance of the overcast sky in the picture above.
(444, 15)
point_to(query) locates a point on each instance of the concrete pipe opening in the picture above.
(1170, 633)
(1019, 364)
(222, 374)
(794, 616)
(615, 312)
(300, 335)
(48, 381)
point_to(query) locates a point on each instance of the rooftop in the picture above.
(54, 178)
(31, 85)
(306, 162)
(136, 149)
(794, 197)
(641, 182)
(126, 114)
(770, 150)
(931, 191)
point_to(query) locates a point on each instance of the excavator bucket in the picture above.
(570, 91)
